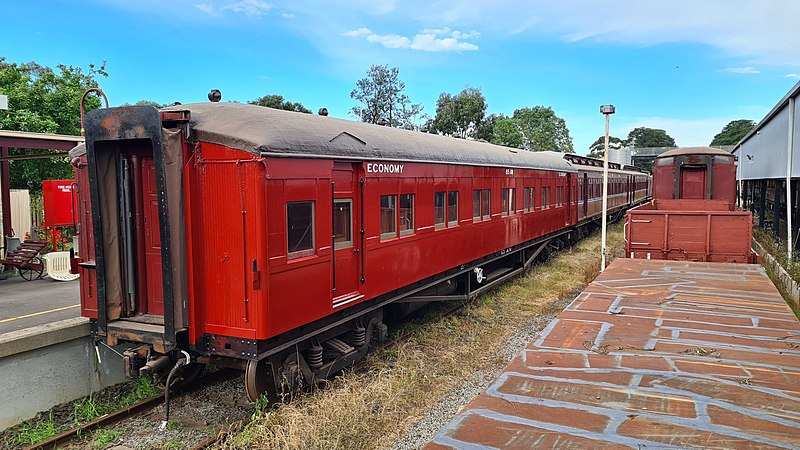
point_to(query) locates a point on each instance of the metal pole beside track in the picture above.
(607, 110)
(789, 149)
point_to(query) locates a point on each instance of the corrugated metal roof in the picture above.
(40, 136)
(775, 110)
(274, 132)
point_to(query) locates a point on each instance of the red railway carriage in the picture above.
(276, 241)
(695, 173)
(693, 215)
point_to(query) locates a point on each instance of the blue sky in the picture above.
(688, 67)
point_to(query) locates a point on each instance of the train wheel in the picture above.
(544, 255)
(259, 379)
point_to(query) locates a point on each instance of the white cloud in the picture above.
(427, 40)
(287, 15)
(207, 8)
(430, 43)
(759, 32)
(390, 40)
(792, 75)
(455, 34)
(468, 35)
(252, 8)
(743, 70)
(763, 32)
(361, 32)
(437, 31)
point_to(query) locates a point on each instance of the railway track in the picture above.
(144, 407)
(68, 436)
(138, 409)
(400, 339)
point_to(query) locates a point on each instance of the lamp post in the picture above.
(606, 110)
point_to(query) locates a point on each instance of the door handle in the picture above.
(355, 250)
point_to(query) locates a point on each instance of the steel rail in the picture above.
(64, 438)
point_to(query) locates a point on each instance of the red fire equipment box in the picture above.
(58, 201)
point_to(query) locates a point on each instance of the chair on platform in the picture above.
(57, 264)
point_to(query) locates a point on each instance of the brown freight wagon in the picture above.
(693, 214)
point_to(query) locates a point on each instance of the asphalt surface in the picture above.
(25, 304)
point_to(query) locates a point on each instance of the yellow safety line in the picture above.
(39, 313)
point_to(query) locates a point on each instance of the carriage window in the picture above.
(342, 223)
(452, 208)
(439, 208)
(476, 205)
(546, 197)
(388, 216)
(485, 203)
(508, 202)
(526, 201)
(504, 202)
(480, 204)
(532, 197)
(406, 214)
(300, 228)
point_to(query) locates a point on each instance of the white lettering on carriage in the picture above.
(384, 168)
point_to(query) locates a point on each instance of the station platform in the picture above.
(26, 304)
(653, 354)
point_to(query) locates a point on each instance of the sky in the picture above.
(688, 67)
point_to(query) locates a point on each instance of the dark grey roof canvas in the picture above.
(273, 132)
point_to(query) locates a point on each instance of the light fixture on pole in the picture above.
(606, 110)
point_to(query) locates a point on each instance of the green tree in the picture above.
(537, 128)
(485, 130)
(278, 102)
(459, 115)
(733, 132)
(649, 137)
(509, 133)
(597, 148)
(381, 99)
(44, 100)
(152, 103)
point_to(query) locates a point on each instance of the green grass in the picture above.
(172, 444)
(104, 437)
(261, 406)
(32, 431)
(83, 410)
(88, 408)
(175, 426)
(143, 388)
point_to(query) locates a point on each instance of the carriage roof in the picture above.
(273, 132)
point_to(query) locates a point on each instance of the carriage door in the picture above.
(585, 194)
(693, 183)
(346, 236)
(152, 239)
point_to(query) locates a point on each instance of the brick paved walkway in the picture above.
(654, 354)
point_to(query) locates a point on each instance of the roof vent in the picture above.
(214, 95)
(323, 112)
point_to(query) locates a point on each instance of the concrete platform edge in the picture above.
(786, 284)
(21, 341)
